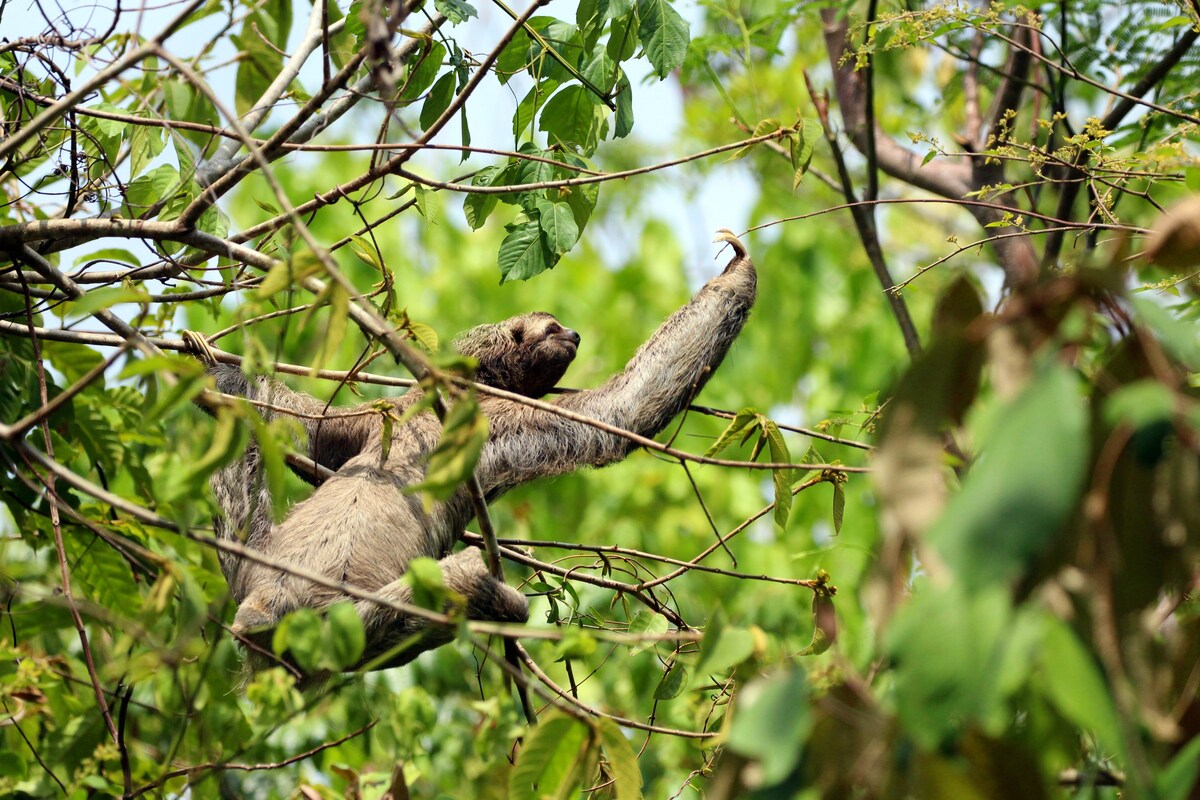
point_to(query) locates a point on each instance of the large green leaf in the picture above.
(664, 34)
(771, 723)
(558, 755)
(1022, 489)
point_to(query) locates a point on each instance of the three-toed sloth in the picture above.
(360, 527)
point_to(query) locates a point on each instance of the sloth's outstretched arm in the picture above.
(657, 383)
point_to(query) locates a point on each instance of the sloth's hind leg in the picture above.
(463, 572)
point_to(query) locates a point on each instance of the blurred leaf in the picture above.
(771, 723)
(673, 682)
(1139, 404)
(649, 623)
(428, 583)
(1017, 499)
(1074, 683)
(298, 634)
(723, 647)
(947, 647)
(558, 755)
(576, 643)
(347, 640)
(622, 761)
(1182, 339)
(1178, 778)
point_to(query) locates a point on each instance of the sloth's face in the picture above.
(526, 354)
(544, 350)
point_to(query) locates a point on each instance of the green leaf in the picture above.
(514, 58)
(347, 640)
(761, 129)
(740, 422)
(803, 145)
(159, 184)
(771, 723)
(299, 633)
(1016, 502)
(335, 327)
(839, 507)
(782, 478)
(570, 116)
(622, 761)
(523, 253)
(262, 42)
(646, 622)
(421, 74)
(145, 143)
(534, 100)
(270, 439)
(1176, 781)
(438, 100)
(457, 11)
(558, 226)
(228, 442)
(106, 297)
(1182, 339)
(673, 682)
(428, 583)
(663, 34)
(558, 755)
(477, 207)
(1074, 683)
(624, 98)
(453, 460)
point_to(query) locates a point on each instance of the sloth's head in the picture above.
(526, 354)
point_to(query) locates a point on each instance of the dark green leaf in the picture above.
(558, 226)
(523, 253)
(673, 682)
(438, 100)
(571, 115)
(664, 34)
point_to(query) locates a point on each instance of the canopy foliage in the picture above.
(978, 237)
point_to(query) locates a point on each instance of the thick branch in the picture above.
(949, 180)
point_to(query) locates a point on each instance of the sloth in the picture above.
(359, 527)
